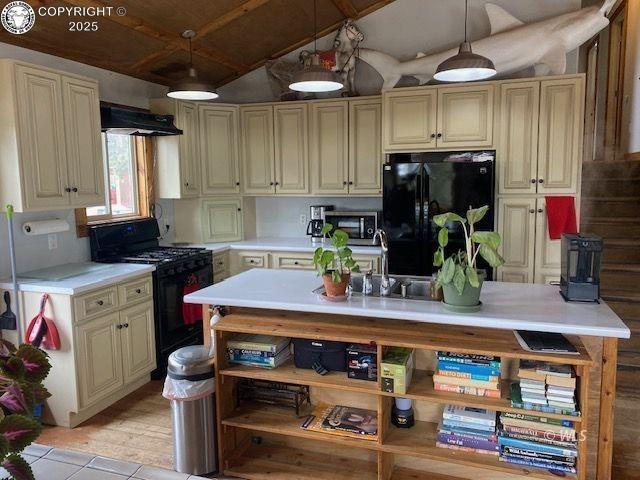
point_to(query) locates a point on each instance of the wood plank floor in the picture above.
(138, 429)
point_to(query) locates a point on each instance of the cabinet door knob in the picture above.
(344, 183)
(533, 180)
(186, 184)
(119, 327)
(350, 183)
(540, 210)
(296, 263)
(541, 180)
(439, 135)
(138, 290)
(74, 189)
(532, 210)
(67, 189)
(100, 302)
(433, 135)
(237, 184)
(126, 325)
(239, 209)
(271, 183)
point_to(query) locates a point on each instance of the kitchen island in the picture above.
(257, 441)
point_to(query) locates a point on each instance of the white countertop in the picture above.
(116, 272)
(505, 305)
(281, 244)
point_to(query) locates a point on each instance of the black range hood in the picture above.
(130, 122)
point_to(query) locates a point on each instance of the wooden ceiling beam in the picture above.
(230, 16)
(346, 8)
(174, 43)
(154, 57)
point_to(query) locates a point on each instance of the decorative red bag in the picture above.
(42, 331)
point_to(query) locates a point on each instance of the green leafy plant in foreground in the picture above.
(22, 371)
(460, 268)
(337, 261)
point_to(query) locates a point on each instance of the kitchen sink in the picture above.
(402, 287)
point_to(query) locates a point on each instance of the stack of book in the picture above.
(263, 351)
(540, 442)
(545, 387)
(469, 374)
(468, 429)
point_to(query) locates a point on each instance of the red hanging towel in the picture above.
(191, 313)
(561, 216)
(42, 330)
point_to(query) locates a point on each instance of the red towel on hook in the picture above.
(561, 216)
(191, 312)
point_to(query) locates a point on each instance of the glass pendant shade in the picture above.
(466, 66)
(315, 78)
(191, 88)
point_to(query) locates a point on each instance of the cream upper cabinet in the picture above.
(84, 142)
(410, 120)
(138, 341)
(365, 147)
(560, 138)
(219, 149)
(465, 116)
(222, 220)
(329, 145)
(291, 148)
(257, 150)
(517, 225)
(42, 143)
(51, 148)
(517, 127)
(548, 251)
(189, 149)
(178, 156)
(99, 358)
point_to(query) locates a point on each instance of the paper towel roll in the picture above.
(43, 227)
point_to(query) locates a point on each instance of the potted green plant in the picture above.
(22, 371)
(335, 265)
(458, 276)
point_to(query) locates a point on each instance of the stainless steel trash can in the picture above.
(194, 421)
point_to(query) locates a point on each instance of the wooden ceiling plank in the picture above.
(230, 16)
(154, 57)
(346, 7)
(140, 26)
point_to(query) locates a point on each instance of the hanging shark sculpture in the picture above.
(512, 45)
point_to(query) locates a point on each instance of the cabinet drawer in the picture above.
(220, 263)
(247, 260)
(135, 291)
(95, 303)
(303, 262)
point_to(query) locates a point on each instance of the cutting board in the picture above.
(60, 272)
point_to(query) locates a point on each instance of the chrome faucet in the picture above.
(385, 283)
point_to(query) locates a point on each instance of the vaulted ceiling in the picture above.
(233, 37)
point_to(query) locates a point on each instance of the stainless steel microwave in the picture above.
(360, 226)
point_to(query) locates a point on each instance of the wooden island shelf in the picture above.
(258, 441)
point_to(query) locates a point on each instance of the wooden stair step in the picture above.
(623, 186)
(603, 206)
(616, 227)
(610, 169)
(618, 251)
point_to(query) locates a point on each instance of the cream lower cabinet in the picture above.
(107, 347)
(540, 136)
(51, 150)
(221, 267)
(530, 255)
(242, 260)
(443, 117)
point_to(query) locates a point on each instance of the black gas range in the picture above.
(178, 271)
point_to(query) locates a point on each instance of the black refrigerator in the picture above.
(417, 186)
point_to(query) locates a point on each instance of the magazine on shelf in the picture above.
(343, 421)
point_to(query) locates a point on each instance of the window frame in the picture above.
(107, 182)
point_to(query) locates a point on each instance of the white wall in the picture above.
(406, 27)
(32, 251)
(280, 216)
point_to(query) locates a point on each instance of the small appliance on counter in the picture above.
(360, 226)
(580, 267)
(316, 222)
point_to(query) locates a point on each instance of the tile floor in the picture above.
(57, 464)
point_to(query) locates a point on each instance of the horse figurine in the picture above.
(347, 39)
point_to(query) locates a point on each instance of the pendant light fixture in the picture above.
(190, 87)
(315, 77)
(466, 66)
